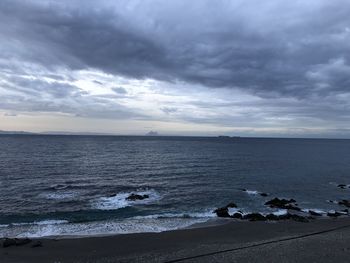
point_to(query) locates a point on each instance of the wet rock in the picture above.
(222, 212)
(342, 186)
(299, 218)
(276, 202)
(283, 204)
(255, 217)
(313, 213)
(237, 216)
(344, 203)
(136, 197)
(37, 243)
(264, 194)
(334, 214)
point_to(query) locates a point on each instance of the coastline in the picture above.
(282, 241)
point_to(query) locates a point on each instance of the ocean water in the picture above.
(77, 185)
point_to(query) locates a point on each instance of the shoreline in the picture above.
(234, 240)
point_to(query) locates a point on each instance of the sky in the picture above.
(273, 68)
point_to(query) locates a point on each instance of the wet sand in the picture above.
(325, 240)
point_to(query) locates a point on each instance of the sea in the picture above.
(69, 185)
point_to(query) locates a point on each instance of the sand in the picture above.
(325, 240)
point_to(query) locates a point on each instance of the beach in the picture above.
(324, 240)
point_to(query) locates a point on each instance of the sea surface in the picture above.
(77, 185)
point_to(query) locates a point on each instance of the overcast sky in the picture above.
(199, 67)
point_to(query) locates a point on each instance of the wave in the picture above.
(195, 215)
(131, 225)
(120, 200)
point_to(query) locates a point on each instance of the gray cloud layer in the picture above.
(278, 47)
(273, 49)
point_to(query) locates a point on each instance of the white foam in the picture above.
(59, 195)
(195, 215)
(251, 192)
(120, 200)
(43, 222)
(132, 225)
(280, 212)
(319, 211)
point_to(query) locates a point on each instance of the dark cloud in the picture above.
(293, 54)
(279, 51)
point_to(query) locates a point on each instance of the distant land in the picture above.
(15, 132)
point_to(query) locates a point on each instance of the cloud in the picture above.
(263, 48)
(292, 59)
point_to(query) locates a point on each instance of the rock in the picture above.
(135, 197)
(344, 203)
(313, 213)
(9, 242)
(342, 186)
(283, 204)
(255, 217)
(237, 215)
(222, 212)
(279, 202)
(334, 214)
(231, 205)
(298, 218)
(264, 194)
(37, 243)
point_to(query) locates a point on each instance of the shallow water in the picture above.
(77, 185)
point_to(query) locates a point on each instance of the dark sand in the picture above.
(288, 241)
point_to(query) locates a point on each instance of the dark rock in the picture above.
(342, 186)
(299, 218)
(231, 205)
(345, 211)
(334, 214)
(135, 197)
(237, 215)
(313, 213)
(9, 242)
(222, 212)
(344, 203)
(264, 194)
(37, 243)
(283, 204)
(255, 217)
